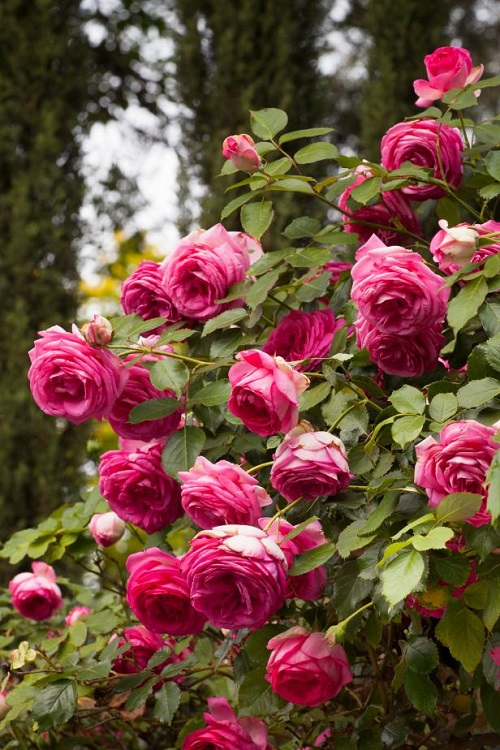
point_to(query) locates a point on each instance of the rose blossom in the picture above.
(395, 291)
(70, 378)
(36, 595)
(214, 494)
(226, 732)
(239, 149)
(142, 646)
(454, 247)
(106, 528)
(457, 463)
(236, 576)
(310, 465)
(265, 392)
(336, 267)
(248, 244)
(98, 332)
(201, 269)
(75, 614)
(304, 335)
(305, 668)
(144, 293)
(429, 144)
(447, 68)
(137, 488)
(158, 595)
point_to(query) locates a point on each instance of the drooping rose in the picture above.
(158, 595)
(138, 489)
(458, 462)
(106, 528)
(236, 576)
(145, 294)
(214, 494)
(36, 595)
(240, 150)
(75, 613)
(70, 378)
(224, 731)
(447, 68)
(310, 465)
(305, 668)
(304, 335)
(429, 144)
(265, 392)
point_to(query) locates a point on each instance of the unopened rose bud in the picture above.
(239, 149)
(106, 528)
(453, 247)
(98, 331)
(75, 614)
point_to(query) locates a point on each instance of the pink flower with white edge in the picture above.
(36, 595)
(265, 392)
(453, 247)
(447, 68)
(240, 150)
(306, 668)
(106, 528)
(224, 731)
(75, 614)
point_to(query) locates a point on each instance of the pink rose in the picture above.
(305, 668)
(75, 614)
(36, 595)
(406, 356)
(248, 244)
(453, 247)
(138, 489)
(395, 291)
(142, 646)
(214, 494)
(144, 293)
(239, 149)
(201, 269)
(265, 392)
(98, 332)
(304, 336)
(158, 595)
(447, 68)
(429, 144)
(70, 378)
(226, 732)
(106, 528)
(236, 576)
(457, 463)
(309, 466)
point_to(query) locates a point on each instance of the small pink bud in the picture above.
(106, 528)
(75, 614)
(239, 149)
(98, 331)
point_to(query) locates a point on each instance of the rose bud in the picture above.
(106, 528)
(239, 149)
(98, 332)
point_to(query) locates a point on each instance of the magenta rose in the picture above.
(310, 465)
(395, 291)
(429, 144)
(144, 293)
(214, 494)
(158, 595)
(240, 150)
(265, 392)
(447, 68)
(70, 378)
(75, 614)
(457, 463)
(137, 488)
(226, 732)
(305, 668)
(106, 528)
(36, 595)
(200, 271)
(142, 645)
(236, 576)
(304, 335)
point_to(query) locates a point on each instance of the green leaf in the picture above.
(182, 449)
(139, 695)
(488, 192)
(155, 408)
(55, 704)
(350, 539)
(267, 122)
(435, 539)
(421, 692)
(367, 190)
(299, 529)
(405, 430)
(443, 406)
(311, 559)
(383, 511)
(256, 697)
(421, 655)
(236, 203)
(213, 394)
(460, 98)
(492, 350)
(475, 595)
(313, 288)
(260, 289)
(304, 226)
(313, 396)
(478, 392)
(408, 400)
(490, 701)
(493, 482)
(224, 320)
(402, 575)
(491, 611)
(454, 569)
(458, 506)
(465, 305)
(294, 135)
(279, 166)
(167, 700)
(256, 218)
(463, 633)
(159, 657)
(309, 257)
(349, 589)
(318, 151)
(493, 164)
(291, 185)
(169, 373)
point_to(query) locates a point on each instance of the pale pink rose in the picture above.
(457, 463)
(214, 494)
(138, 489)
(70, 378)
(406, 356)
(395, 291)
(249, 245)
(429, 144)
(447, 68)
(304, 335)
(224, 731)
(4, 706)
(75, 614)
(98, 332)
(236, 576)
(158, 595)
(144, 293)
(307, 586)
(201, 269)
(453, 247)
(106, 528)
(305, 668)
(309, 466)
(265, 392)
(240, 150)
(36, 595)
